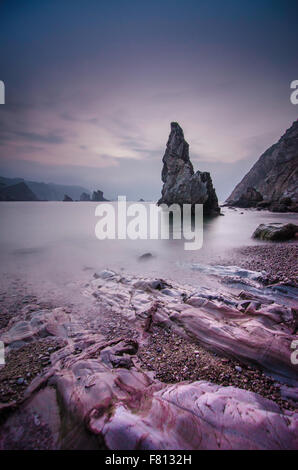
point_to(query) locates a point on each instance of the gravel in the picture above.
(279, 260)
(22, 366)
(175, 359)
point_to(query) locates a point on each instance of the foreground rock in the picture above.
(248, 328)
(97, 394)
(181, 184)
(98, 407)
(276, 232)
(274, 176)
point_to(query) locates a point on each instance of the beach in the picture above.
(138, 321)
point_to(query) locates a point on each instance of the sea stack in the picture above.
(98, 196)
(181, 184)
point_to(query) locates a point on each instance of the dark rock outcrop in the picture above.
(85, 197)
(181, 184)
(67, 198)
(17, 192)
(98, 196)
(251, 198)
(274, 176)
(276, 232)
(283, 206)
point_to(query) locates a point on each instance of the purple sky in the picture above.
(92, 86)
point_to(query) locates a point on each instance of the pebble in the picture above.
(20, 381)
(238, 368)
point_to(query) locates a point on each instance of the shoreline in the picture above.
(278, 260)
(154, 343)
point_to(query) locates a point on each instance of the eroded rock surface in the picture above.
(97, 394)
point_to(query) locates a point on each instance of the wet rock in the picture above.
(42, 324)
(105, 274)
(276, 232)
(159, 284)
(145, 256)
(213, 319)
(120, 354)
(199, 415)
(108, 399)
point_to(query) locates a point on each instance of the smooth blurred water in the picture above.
(53, 245)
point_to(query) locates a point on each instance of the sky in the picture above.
(91, 87)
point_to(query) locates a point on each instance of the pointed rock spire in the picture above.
(181, 184)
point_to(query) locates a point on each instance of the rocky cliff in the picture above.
(181, 184)
(17, 192)
(273, 180)
(46, 191)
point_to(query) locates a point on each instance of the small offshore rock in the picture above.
(145, 256)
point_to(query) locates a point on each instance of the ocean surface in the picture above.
(52, 246)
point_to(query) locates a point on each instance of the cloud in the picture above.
(50, 138)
